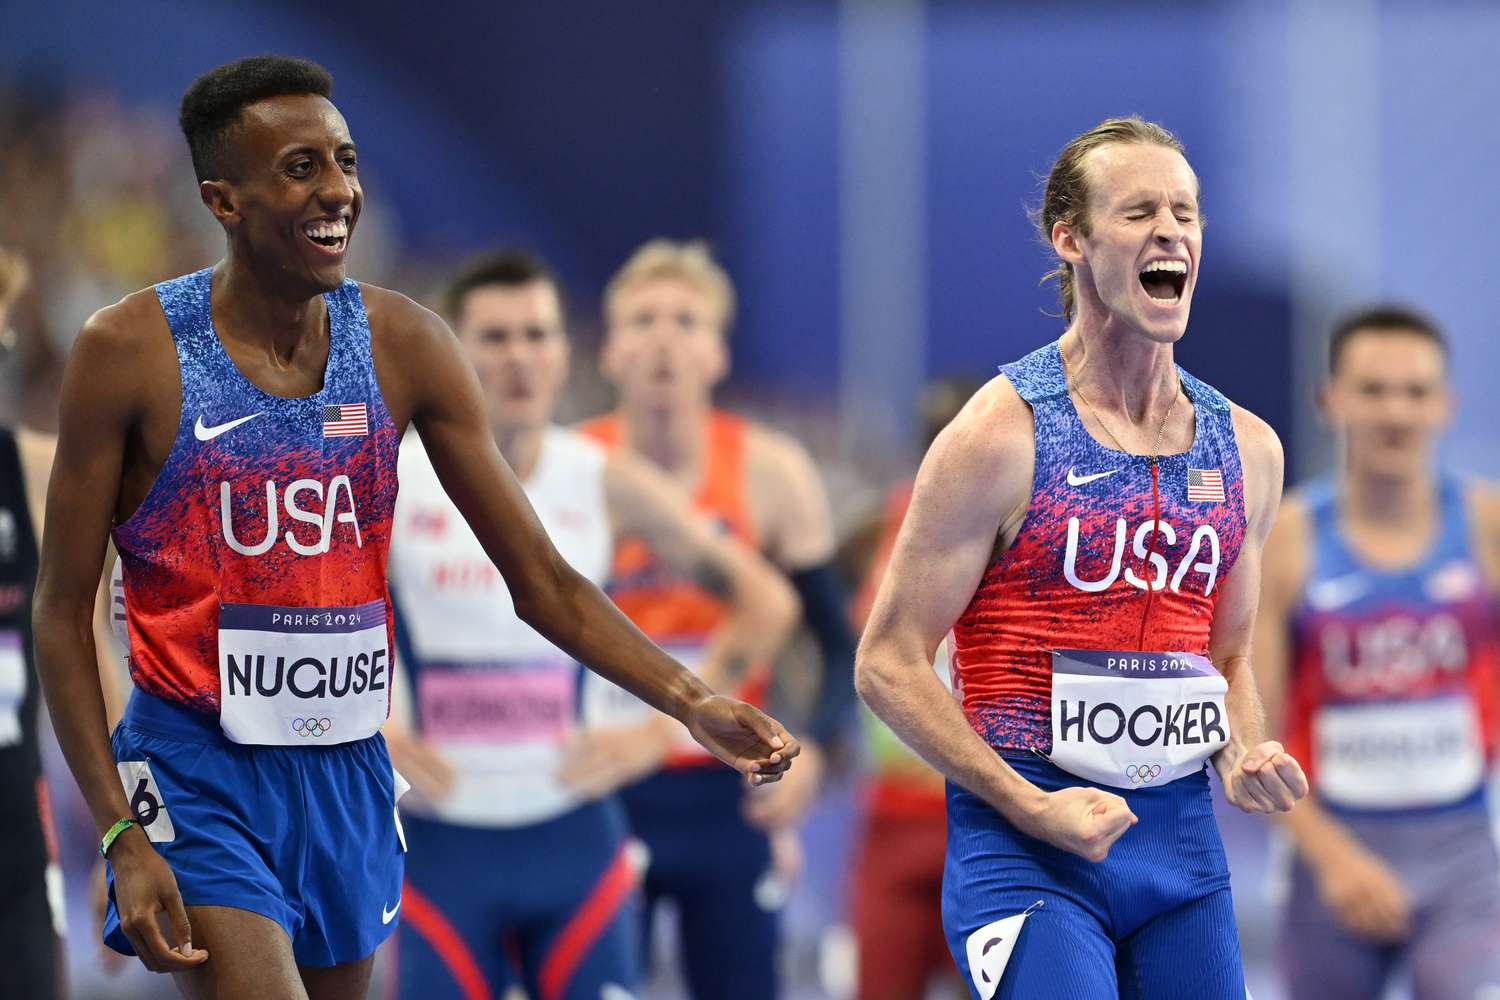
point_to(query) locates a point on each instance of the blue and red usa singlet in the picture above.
(254, 570)
(1086, 597)
(1393, 695)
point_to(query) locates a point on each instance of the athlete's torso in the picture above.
(257, 558)
(1393, 694)
(20, 762)
(494, 696)
(676, 612)
(1076, 575)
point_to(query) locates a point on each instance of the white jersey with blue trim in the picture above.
(492, 695)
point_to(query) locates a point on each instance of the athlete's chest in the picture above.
(1124, 522)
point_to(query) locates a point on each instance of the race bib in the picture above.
(12, 686)
(1130, 719)
(1398, 755)
(299, 676)
(498, 705)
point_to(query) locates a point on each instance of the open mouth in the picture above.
(329, 235)
(1164, 280)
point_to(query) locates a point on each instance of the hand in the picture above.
(743, 737)
(144, 887)
(421, 763)
(1263, 779)
(781, 806)
(110, 960)
(598, 761)
(1081, 820)
(1365, 895)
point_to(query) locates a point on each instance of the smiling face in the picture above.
(1389, 400)
(294, 197)
(1135, 255)
(513, 335)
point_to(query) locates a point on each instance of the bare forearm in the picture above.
(917, 708)
(578, 618)
(69, 673)
(1247, 721)
(1319, 836)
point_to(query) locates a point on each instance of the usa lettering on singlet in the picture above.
(1394, 672)
(254, 570)
(1087, 639)
(674, 611)
(492, 694)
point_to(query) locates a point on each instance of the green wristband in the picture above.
(113, 834)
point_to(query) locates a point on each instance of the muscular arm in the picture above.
(1258, 775)
(99, 405)
(440, 394)
(972, 488)
(793, 507)
(762, 607)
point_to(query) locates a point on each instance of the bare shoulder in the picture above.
(775, 459)
(1258, 442)
(995, 426)
(127, 328)
(396, 319)
(1484, 500)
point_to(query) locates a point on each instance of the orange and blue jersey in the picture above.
(1393, 691)
(674, 611)
(1086, 570)
(270, 516)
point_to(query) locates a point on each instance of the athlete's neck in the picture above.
(670, 437)
(1395, 504)
(1120, 371)
(259, 309)
(520, 446)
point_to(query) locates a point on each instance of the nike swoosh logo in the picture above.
(1076, 480)
(386, 916)
(209, 433)
(1325, 595)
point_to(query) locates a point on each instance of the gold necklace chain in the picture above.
(1161, 431)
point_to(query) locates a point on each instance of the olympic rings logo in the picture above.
(1142, 774)
(311, 727)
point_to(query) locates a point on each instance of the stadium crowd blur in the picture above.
(95, 199)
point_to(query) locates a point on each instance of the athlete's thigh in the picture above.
(1191, 952)
(249, 958)
(453, 921)
(585, 944)
(1320, 959)
(729, 922)
(897, 914)
(994, 874)
(349, 981)
(1455, 954)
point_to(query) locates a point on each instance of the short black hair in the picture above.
(212, 105)
(1383, 318)
(509, 268)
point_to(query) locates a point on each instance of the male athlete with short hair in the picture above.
(1090, 529)
(236, 431)
(1377, 650)
(668, 312)
(492, 758)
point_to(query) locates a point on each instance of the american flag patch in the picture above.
(1205, 486)
(345, 420)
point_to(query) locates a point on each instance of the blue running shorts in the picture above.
(307, 836)
(1153, 921)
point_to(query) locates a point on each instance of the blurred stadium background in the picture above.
(862, 168)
